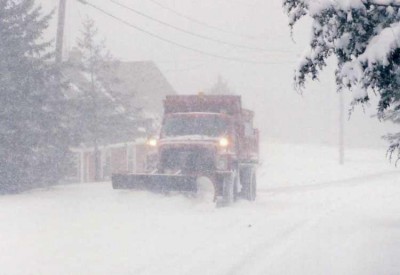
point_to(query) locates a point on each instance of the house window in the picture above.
(131, 158)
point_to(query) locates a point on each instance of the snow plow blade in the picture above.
(155, 182)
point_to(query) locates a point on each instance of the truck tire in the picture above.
(248, 181)
(227, 192)
(230, 188)
(236, 183)
(253, 187)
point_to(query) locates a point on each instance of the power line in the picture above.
(241, 3)
(199, 22)
(185, 69)
(186, 31)
(173, 42)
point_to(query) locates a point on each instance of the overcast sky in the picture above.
(238, 25)
(254, 24)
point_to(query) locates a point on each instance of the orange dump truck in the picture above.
(202, 136)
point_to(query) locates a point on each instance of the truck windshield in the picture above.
(204, 125)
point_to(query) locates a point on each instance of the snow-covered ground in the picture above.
(312, 216)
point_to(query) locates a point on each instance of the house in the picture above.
(143, 86)
(127, 157)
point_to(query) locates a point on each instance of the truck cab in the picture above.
(196, 143)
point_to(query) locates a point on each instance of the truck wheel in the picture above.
(236, 183)
(253, 187)
(249, 184)
(228, 192)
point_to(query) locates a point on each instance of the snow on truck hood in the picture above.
(189, 139)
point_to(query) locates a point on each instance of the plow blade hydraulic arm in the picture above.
(155, 182)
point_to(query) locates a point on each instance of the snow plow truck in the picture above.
(202, 136)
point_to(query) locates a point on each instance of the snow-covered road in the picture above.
(311, 217)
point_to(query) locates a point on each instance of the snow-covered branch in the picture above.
(364, 36)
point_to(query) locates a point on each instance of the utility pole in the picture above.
(341, 128)
(60, 31)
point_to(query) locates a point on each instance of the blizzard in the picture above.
(311, 216)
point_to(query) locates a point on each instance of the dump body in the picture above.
(219, 104)
(201, 135)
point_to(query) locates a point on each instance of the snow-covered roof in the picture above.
(145, 82)
(141, 79)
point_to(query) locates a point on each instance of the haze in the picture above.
(267, 88)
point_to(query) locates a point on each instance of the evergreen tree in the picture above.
(220, 87)
(364, 36)
(33, 135)
(101, 113)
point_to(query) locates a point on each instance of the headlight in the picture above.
(223, 142)
(152, 142)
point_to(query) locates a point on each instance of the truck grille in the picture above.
(187, 160)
